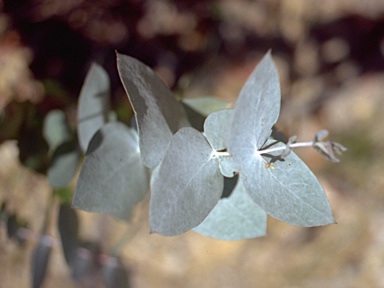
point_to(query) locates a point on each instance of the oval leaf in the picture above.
(93, 108)
(159, 115)
(113, 178)
(288, 191)
(234, 218)
(256, 110)
(56, 129)
(63, 166)
(216, 128)
(182, 199)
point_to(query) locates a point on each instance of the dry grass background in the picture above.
(348, 254)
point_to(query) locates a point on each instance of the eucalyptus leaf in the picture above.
(113, 178)
(158, 114)
(256, 110)
(187, 185)
(56, 129)
(227, 167)
(234, 218)
(216, 128)
(63, 165)
(93, 107)
(288, 191)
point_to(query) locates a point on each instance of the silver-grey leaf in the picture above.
(63, 165)
(113, 178)
(187, 185)
(159, 115)
(93, 108)
(256, 110)
(55, 129)
(216, 128)
(234, 218)
(288, 191)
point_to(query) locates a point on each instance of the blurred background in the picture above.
(330, 57)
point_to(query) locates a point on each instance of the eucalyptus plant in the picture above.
(220, 180)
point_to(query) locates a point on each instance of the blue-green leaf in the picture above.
(187, 185)
(288, 191)
(159, 115)
(113, 178)
(93, 107)
(256, 110)
(63, 165)
(234, 218)
(55, 128)
(216, 130)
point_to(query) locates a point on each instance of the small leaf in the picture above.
(40, 260)
(206, 105)
(289, 192)
(216, 128)
(63, 166)
(158, 114)
(234, 218)
(115, 274)
(227, 167)
(327, 148)
(55, 129)
(93, 108)
(113, 178)
(68, 224)
(181, 199)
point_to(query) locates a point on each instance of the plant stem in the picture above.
(266, 151)
(294, 145)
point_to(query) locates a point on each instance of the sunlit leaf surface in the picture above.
(187, 185)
